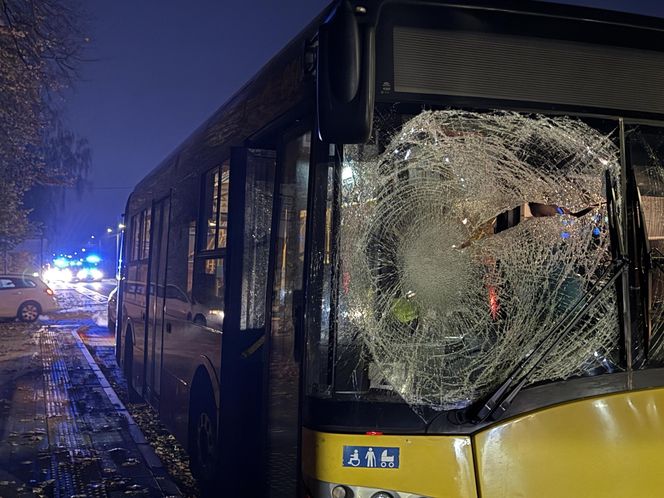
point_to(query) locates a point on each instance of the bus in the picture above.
(419, 254)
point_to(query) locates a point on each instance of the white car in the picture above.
(25, 297)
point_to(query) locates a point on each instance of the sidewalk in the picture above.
(63, 431)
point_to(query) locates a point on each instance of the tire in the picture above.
(203, 451)
(29, 311)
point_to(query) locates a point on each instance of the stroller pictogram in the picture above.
(386, 460)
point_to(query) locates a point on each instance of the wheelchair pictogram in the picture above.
(354, 459)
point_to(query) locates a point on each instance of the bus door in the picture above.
(284, 341)
(135, 298)
(251, 197)
(260, 367)
(157, 295)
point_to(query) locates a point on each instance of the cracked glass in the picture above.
(459, 243)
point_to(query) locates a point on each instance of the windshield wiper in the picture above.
(498, 402)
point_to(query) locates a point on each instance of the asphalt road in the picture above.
(104, 287)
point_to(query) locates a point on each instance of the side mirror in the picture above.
(345, 86)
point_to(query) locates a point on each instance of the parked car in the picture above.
(25, 297)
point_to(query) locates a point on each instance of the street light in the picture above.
(109, 230)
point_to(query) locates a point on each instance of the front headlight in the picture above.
(96, 274)
(218, 313)
(51, 274)
(82, 274)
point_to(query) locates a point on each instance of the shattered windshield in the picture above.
(459, 245)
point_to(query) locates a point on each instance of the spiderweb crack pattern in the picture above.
(444, 303)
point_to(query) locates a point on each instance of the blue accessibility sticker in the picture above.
(380, 457)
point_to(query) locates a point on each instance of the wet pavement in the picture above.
(63, 430)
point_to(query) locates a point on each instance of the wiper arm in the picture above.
(502, 397)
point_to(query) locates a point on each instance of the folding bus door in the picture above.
(252, 174)
(157, 290)
(260, 367)
(284, 342)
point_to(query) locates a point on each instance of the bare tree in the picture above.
(41, 46)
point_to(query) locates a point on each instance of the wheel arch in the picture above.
(128, 332)
(127, 338)
(204, 458)
(203, 381)
(205, 377)
(29, 301)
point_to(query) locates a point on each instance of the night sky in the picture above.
(159, 68)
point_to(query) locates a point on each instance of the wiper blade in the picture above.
(500, 400)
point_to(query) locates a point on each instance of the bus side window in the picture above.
(259, 190)
(647, 153)
(209, 290)
(653, 211)
(215, 208)
(135, 237)
(290, 244)
(191, 251)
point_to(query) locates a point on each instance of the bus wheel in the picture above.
(203, 439)
(128, 368)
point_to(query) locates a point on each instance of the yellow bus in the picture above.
(419, 254)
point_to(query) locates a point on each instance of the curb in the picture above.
(152, 461)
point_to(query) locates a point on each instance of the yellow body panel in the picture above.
(440, 466)
(612, 446)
